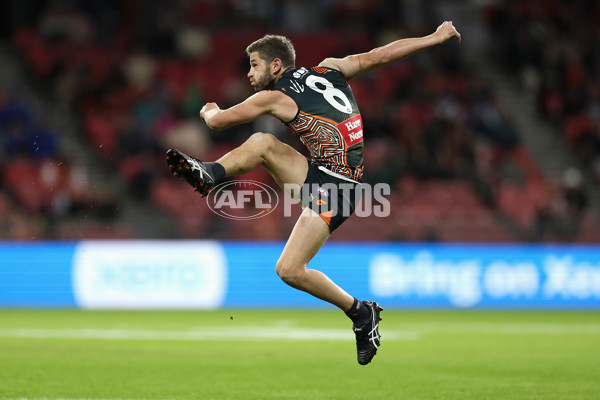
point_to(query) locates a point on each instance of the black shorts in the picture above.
(334, 199)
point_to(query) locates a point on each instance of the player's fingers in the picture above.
(453, 29)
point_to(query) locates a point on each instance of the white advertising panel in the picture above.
(149, 275)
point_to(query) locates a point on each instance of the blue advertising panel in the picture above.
(253, 281)
(467, 276)
(36, 274)
(207, 274)
(428, 276)
(149, 274)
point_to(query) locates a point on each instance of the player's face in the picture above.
(260, 75)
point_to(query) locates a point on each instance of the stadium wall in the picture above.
(210, 274)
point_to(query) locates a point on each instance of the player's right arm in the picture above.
(357, 65)
(265, 102)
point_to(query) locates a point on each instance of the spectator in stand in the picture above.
(553, 47)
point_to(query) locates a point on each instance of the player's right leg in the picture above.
(196, 173)
(285, 164)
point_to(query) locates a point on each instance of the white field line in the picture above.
(208, 334)
(290, 333)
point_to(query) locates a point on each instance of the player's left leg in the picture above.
(307, 237)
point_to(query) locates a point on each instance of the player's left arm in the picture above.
(265, 102)
(357, 65)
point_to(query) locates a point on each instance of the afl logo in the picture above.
(228, 198)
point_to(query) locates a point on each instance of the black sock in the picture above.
(358, 313)
(216, 170)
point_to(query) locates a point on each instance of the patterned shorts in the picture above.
(334, 199)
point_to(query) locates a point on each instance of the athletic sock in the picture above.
(216, 170)
(358, 313)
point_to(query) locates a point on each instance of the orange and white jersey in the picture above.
(328, 121)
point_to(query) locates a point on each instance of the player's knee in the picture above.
(263, 141)
(289, 273)
(263, 138)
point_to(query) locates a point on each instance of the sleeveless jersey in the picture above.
(328, 122)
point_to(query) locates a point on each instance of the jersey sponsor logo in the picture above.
(300, 73)
(353, 124)
(351, 130)
(356, 136)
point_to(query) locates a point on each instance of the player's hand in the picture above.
(208, 111)
(447, 31)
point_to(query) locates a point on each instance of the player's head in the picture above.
(269, 57)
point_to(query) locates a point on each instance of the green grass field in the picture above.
(297, 355)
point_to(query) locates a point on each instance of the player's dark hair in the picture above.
(270, 47)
